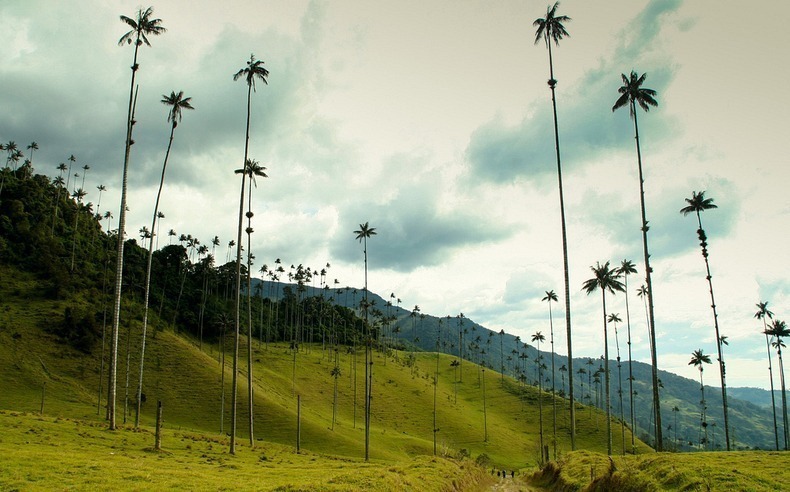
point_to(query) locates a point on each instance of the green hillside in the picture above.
(187, 380)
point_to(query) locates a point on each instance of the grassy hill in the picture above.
(751, 424)
(187, 379)
(738, 470)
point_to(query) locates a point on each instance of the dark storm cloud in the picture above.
(412, 232)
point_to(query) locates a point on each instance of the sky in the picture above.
(432, 121)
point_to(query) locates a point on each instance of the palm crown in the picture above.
(253, 168)
(365, 231)
(627, 267)
(177, 103)
(142, 26)
(605, 279)
(778, 329)
(550, 28)
(698, 358)
(697, 203)
(253, 70)
(763, 311)
(550, 296)
(633, 92)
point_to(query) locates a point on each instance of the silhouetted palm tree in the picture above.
(762, 313)
(615, 318)
(632, 93)
(697, 359)
(538, 337)
(177, 103)
(778, 329)
(254, 70)
(696, 204)
(605, 279)
(550, 297)
(33, 146)
(626, 268)
(142, 27)
(362, 234)
(252, 169)
(550, 29)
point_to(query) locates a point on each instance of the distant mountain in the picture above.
(750, 417)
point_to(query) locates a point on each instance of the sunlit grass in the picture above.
(42, 453)
(736, 470)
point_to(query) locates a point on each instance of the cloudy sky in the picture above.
(432, 121)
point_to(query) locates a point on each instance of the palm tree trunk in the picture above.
(552, 85)
(234, 383)
(249, 312)
(368, 361)
(771, 377)
(722, 369)
(606, 377)
(112, 386)
(630, 368)
(784, 396)
(649, 284)
(702, 419)
(553, 390)
(148, 279)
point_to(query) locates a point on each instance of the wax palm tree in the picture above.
(59, 182)
(697, 204)
(632, 94)
(626, 268)
(605, 279)
(615, 318)
(254, 70)
(778, 329)
(537, 338)
(78, 194)
(362, 235)
(141, 27)
(177, 103)
(33, 146)
(550, 297)
(697, 360)
(252, 169)
(762, 313)
(551, 28)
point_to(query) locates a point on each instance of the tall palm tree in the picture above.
(142, 26)
(762, 313)
(362, 235)
(60, 183)
(697, 204)
(605, 279)
(779, 330)
(33, 146)
(697, 359)
(78, 194)
(632, 94)
(254, 70)
(550, 297)
(626, 268)
(537, 338)
(615, 318)
(177, 103)
(252, 169)
(551, 28)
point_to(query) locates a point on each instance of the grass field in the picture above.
(44, 453)
(187, 379)
(736, 470)
(68, 446)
